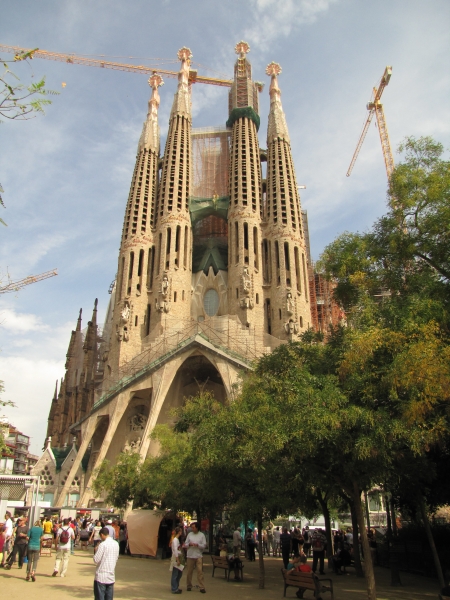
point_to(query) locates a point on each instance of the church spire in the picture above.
(182, 100)
(79, 320)
(150, 131)
(277, 122)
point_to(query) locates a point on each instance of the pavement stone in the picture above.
(149, 579)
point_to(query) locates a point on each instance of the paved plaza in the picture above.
(139, 579)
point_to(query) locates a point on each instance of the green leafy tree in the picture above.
(20, 102)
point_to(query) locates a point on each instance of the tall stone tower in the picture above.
(245, 211)
(212, 274)
(287, 308)
(132, 310)
(173, 269)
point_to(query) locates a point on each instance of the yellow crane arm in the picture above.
(104, 64)
(14, 286)
(362, 137)
(375, 107)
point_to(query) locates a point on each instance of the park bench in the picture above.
(221, 562)
(306, 581)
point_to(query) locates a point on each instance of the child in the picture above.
(304, 567)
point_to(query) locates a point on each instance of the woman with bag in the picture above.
(34, 549)
(176, 562)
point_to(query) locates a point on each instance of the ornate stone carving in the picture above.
(122, 328)
(289, 304)
(291, 327)
(137, 422)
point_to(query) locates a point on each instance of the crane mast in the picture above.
(376, 108)
(73, 59)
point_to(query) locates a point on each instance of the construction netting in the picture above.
(211, 155)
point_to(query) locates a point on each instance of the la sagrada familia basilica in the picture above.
(212, 273)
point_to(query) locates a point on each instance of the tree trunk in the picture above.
(394, 521)
(245, 543)
(326, 515)
(366, 501)
(211, 533)
(426, 523)
(388, 517)
(368, 565)
(356, 552)
(260, 554)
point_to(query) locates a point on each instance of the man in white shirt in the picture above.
(237, 542)
(8, 535)
(64, 539)
(195, 544)
(105, 558)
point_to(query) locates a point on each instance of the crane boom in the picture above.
(14, 286)
(104, 64)
(376, 108)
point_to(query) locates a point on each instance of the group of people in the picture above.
(187, 545)
(18, 540)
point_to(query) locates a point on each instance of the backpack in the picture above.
(317, 544)
(64, 537)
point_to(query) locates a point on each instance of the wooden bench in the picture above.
(306, 581)
(221, 562)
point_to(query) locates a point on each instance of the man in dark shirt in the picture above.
(20, 544)
(286, 546)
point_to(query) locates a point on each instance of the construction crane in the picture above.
(375, 107)
(15, 286)
(194, 77)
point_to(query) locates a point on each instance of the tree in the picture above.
(20, 102)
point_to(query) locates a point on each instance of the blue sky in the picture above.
(66, 175)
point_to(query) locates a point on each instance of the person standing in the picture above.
(20, 544)
(319, 542)
(286, 546)
(307, 539)
(34, 549)
(123, 538)
(110, 528)
(276, 541)
(106, 559)
(176, 562)
(8, 525)
(237, 542)
(270, 543)
(195, 544)
(95, 535)
(64, 539)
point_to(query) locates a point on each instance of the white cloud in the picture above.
(20, 322)
(29, 383)
(278, 18)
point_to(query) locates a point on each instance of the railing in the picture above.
(224, 333)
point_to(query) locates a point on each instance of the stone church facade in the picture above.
(212, 273)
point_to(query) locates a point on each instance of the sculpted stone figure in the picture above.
(165, 286)
(137, 422)
(246, 281)
(125, 314)
(289, 304)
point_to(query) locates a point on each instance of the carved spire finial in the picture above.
(242, 48)
(184, 54)
(277, 123)
(155, 81)
(79, 320)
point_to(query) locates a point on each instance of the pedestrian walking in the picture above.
(106, 559)
(95, 535)
(34, 549)
(8, 525)
(20, 544)
(195, 544)
(176, 562)
(64, 539)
